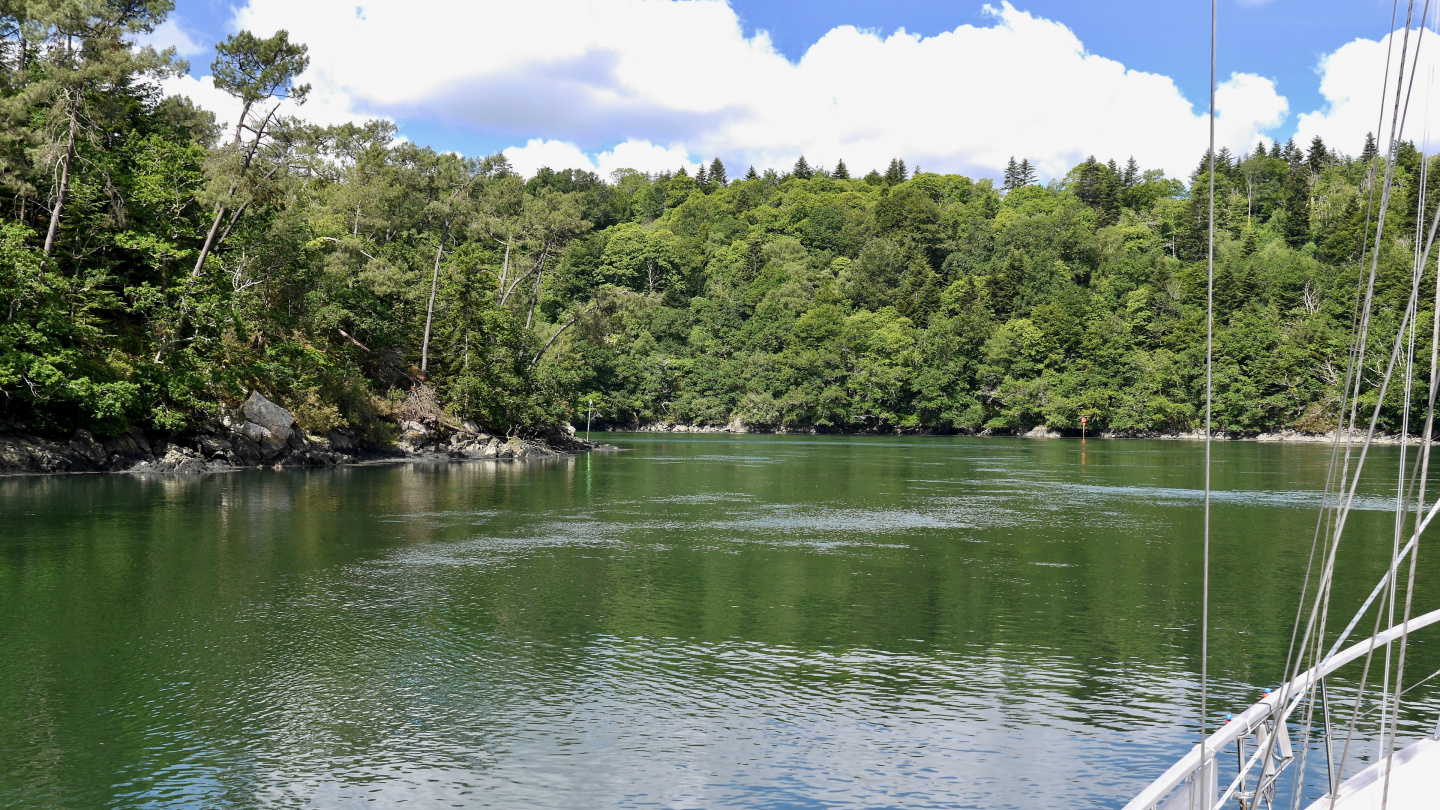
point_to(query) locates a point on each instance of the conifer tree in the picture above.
(840, 173)
(896, 173)
(802, 169)
(717, 173)
(1371, 150)
(702, 178)
(1131, 175)
(874, 178)
(1319, 156)
(1025, 174)
(751, 174)
(1012, 175)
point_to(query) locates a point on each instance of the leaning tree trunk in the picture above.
(430, 310)
(64, 182)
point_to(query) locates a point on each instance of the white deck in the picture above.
(1414, 782)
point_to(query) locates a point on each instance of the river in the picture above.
(696, 621)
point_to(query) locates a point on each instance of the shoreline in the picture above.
(1272, 437)
(262, 435)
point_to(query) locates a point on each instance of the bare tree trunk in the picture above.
(64, 181)
(539, 274)
(430, 310)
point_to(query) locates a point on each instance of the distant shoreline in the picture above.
(1282, 436)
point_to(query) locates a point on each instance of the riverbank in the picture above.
(737, 427)
(261, 434)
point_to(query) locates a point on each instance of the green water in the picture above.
(707, 621)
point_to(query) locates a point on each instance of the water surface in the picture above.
(703, 621)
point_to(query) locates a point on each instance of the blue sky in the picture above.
(1277, 46)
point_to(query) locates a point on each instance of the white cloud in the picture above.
(573, 78)
(1350, 81)
(639, 155)
(171, 34)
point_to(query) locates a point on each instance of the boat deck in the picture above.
(1414, 782)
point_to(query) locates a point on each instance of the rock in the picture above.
(87, 448)
(253, 432)
(340, 440)
(271, 446)
(268, 415)
(179, 460)
(246, 452)
(471, 426)
(138, 436)
(213, 447)
(412, 436)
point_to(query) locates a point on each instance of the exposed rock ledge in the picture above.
(263, 434)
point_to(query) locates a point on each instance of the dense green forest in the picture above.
(154, 269)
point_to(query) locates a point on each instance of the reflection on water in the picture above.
(697, 622)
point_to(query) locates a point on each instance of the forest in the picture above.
(155, 268)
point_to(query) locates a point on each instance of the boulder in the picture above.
(87, 448)
(340, 440)
(247, 452)
(268, 415)
(212, 447)
(180, 460)
(413, 435)
(253, 432)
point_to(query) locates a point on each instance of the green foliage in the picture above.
(808, 300)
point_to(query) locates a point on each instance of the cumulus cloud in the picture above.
(1351, 84)
(638, 155)
(172, 34)
(630, 83)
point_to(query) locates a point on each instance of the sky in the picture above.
(947, 85)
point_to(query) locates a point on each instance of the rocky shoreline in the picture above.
(1288, 436)
(261, 434)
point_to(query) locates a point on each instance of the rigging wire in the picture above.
(1209, 361)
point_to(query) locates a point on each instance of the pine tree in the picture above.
(896, 173)
(751, 174)
(702, 179)
(682, 172)
(840, 173)
(1012, 174)
(1319, 156)
(1371, 150)
(1131, 175)
(1026, 172)
(874, 178)
(802, 169)
(717, 173)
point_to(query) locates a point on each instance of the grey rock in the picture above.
(212, 447)
(179, 460)
(138, 436)
(271, 447)
(87, 448)
(253, 432)
(340, 440)
(246, 452)
(268, 415)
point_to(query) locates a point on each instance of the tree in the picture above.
(802, 169)
(1012, 175)
(254, 71)
(840, 172)
(750, 174)
(896, 172)
(1026, 173)
(88, 48)
(717, 173)
(1370, 150)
